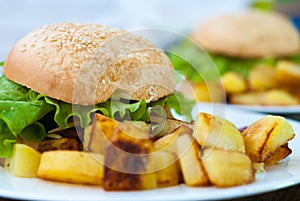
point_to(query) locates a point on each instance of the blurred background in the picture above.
(18, 17)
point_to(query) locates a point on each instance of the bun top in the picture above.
(86, 63)
(248, 35)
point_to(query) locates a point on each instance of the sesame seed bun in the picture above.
(85, 63)
(252, 34)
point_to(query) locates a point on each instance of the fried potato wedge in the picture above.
(234, 83)
(129, 164)
(188, 153)
(265, 136)
(167, 170)
(262, 77)
(97, 136)
(169, 126)
(208, 92)
(281, 153)
(168, 142)
(227, 168)
(24, 161)
(288, 74)
(72, 167)
(213, 131)
(268, 97)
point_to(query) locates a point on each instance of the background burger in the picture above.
(59, 75)
(253, 55)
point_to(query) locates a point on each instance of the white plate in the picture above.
(293, 109)
(284, 174)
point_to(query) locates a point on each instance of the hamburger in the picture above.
(253, 56)
(58, 76)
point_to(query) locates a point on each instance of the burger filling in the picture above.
(31, 116)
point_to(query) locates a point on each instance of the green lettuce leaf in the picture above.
(294, 58)
(7, 139)
(191, 61)
(181, 105)
(2, 63)
(196, 65)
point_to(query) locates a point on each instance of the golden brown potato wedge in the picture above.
(265, 136)
(166, 168)
(234, 83)
(208, 92)
(169, 126)
(227, 168)
(269, 97)
(24, 161)
(288, 74)
(72, 167)
(97, 136)
(129, 164)
(188, 153)
(213, 131)
(281, 153)
(262, 77)
(168, 142)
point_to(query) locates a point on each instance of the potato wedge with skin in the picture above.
(129, 164)
(208, 92)
(265, 136)
(72, 167)
(234, 83)
(168, 142)
(281, 153)
(188, 152)
(279, 97)
(255, 137)
(269, 97)
(280, 135)
(288, 74)
(227, 168)
(97, 136)
(24, 161)
(169, 126)
(166, 169)
(262, 77)
(213, 131)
